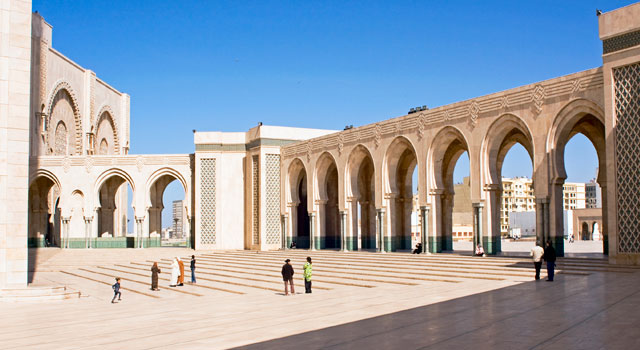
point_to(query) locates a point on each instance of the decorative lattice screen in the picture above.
(255, 214)
(272, 196)
(627, 150)
(208, 201)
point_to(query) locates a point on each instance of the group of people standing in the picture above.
(547, 254)
(538, 254)
(287, 276)
(177, 273)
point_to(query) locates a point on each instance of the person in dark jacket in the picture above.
(155, 270)
(550, 257)
(193, 269)
(287, 277)
(116, 291)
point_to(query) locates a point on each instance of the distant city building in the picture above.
(593, 195)
(574, 195)
(178, 219)
(517, 196)
(167, 233)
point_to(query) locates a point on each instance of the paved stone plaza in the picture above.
(67, 182)
(359, 299)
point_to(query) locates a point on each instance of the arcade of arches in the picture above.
(374, 164)
(325, 189)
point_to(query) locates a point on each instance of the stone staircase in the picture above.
(252, 273)
(37, 294)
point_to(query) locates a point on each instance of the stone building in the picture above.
(574, 195)
(178, 219)
(65, 142)
(593, 195)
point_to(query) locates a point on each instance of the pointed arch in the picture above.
(445, 150)
(326, 195)
(106, 114)
(577, 116)
(504, 132)
(63, 90)
(399, 161)
(325, 163)
(359, 157)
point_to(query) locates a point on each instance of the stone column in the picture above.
(65, 232)
(312, 231)
(380, 228)
(540, 238)
(437, 216)
(554, 217)
(186, 232)
(87, 230)
(424, 212)
(139, 232)
(293, 223)
(603, 228)
(477, 227)
(343, 230)
(352, 240)
(283, 222)
(545, 220)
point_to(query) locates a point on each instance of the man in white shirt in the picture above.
(536, 253)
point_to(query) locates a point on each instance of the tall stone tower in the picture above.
(15, 75)
(620, 35)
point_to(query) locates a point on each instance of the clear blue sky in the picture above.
(226, 65)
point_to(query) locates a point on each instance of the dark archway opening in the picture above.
(302, 214)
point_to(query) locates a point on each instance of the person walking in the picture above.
(181, 276)
(287, 277)
(536, 254)
(193, 269)
(307, 275)
(116, 291)
(550, 257)
(155, 270)
(175, 273)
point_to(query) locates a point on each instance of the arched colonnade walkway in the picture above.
(352, 189)
(74, 200)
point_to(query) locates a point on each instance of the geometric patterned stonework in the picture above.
(621, 42)
(272, 193)
(627, 153)
(255, 213)
(208, 201)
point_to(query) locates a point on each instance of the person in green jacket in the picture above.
(307, 275)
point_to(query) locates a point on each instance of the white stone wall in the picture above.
(229, 202)
(244, 218)
(15, 53)
(53, 71)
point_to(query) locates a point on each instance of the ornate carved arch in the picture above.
(503, 133)
(295, 173)
(447, 147)
(577, 116)
(107, 112)
(323, 165)
(60, 86)
(400, 154)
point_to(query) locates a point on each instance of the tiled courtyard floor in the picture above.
(360, 300)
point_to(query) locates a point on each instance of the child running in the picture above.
(116, 291)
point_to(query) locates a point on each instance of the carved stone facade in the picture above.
(540, 116)
(335, 189)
